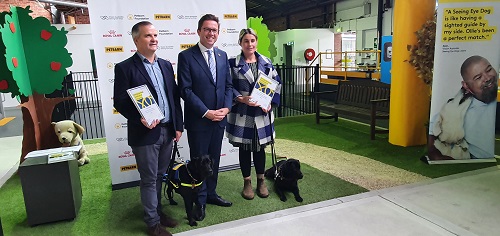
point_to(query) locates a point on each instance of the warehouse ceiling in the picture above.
(268, 9)
(275, 8)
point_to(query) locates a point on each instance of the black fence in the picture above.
(86, 109)
(298, 84)
(297, 90)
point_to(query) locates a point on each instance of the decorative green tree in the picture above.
(36, 60)
(7, 82)
(266, 38)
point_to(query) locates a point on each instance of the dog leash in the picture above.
(273, 151)
(175, 151)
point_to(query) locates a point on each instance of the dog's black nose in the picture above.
(63, 138)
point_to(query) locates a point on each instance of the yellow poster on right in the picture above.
(465, 83)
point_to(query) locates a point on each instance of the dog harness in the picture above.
(177, 179)
(277, 173)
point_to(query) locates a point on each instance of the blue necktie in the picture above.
(211, 64)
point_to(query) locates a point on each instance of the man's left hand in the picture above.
(178, 135)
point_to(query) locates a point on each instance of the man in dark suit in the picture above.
(206, 88)
(151, 143)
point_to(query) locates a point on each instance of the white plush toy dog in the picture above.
(68, 133)
(449, 128)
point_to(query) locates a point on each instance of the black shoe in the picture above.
(219, 202)
(167, 221)
(199, 213)
(158, 230)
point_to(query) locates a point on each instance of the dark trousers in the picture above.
(152, 162)
(202, 143)
(259, 161)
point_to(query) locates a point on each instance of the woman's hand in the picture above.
(246, 100)
(267, 109)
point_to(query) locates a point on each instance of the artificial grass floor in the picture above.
(119, 212)
(106, 212)
(354, 138)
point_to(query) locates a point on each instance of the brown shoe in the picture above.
(262, 188)
(167, 221)
(158, 230)
(247, 192)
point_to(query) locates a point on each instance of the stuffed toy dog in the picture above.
(285, 174)
(68, 132)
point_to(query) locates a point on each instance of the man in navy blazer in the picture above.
(207, 95)
(150, 143)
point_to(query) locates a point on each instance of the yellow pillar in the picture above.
(409, 95)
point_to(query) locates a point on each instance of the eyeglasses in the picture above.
(209, 30)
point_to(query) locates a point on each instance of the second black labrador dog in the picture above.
(285, 174)
(186, 179)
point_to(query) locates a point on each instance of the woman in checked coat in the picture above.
(250, 126)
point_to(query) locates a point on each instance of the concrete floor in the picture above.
(463, 204)
(10, 144)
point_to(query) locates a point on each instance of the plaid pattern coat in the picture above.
(243, 118)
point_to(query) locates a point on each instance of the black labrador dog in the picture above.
(186, 179)
(285, 174)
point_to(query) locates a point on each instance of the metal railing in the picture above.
(297, 90)
(86, 109)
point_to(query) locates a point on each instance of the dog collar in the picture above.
(192, 185)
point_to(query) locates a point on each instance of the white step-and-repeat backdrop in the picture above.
(176, 22)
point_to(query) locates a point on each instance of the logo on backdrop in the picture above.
(165, 32)
(126, 154)
(224, 45)
(110, 65)
(163, 17)
(186, 32)
(111, 17)
(185, 17)
(187, 45)
(111, 81)
(229, 31)
(121, 139)
(111, 34)
(120, 125)
(168, 47)
(230, 16)
(113, 49)
(128, 168)
(114, 111)
(137, 17)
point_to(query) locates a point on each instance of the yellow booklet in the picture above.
(263, 91)
(61, 156)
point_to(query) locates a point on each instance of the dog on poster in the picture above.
(286, 174)
(68, 132)
(186, 179)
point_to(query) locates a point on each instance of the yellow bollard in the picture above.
(410, 101)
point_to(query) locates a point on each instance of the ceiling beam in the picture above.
(65, 3)
(297, 7)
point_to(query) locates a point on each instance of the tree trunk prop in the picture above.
(37, 117)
